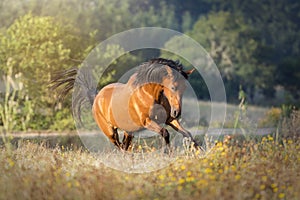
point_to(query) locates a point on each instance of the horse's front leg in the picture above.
(177, 126)
(153, 126)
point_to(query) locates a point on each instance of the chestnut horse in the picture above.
(152, 96)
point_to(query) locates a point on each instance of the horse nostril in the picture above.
(175, 113)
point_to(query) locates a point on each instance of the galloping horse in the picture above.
(152, 95)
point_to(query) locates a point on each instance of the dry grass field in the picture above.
(233, 169)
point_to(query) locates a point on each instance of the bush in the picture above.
(63, 121)
(271, 118)
(291, 125)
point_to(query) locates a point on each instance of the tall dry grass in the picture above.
(232, 170)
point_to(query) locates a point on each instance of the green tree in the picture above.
(106, 16)
(35, 47)
(232, 45)
(289, 76)
(277, 28)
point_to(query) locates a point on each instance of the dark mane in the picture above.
(153, 71)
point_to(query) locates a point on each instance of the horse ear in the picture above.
(189, 72)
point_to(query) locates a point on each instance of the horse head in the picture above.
(174, 85)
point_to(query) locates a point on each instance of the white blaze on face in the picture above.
(173, 90)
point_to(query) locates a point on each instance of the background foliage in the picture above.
(255, 45)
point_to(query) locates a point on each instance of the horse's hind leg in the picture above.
(115, 138)
(112, 135)
(127, 139)
(107, 129)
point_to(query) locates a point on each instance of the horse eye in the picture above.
(173, 88)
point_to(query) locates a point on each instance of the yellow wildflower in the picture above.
(208, 170)
(181, 181)
(270, 138)
(182, 167)
(212, 177)
(10, 162)
(189, 173)
(264, 178)
(257, 196)
(262, 187)
(237, 177)
(273, 185)
(233, 168)
(161, 177)
(190, 179)
(281, 195)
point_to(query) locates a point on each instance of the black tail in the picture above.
(83, 85)
(63, 82)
